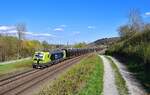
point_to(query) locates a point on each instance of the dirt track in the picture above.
(109, 79)
(134, 86)
(25, 84)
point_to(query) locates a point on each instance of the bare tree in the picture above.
(135, 20)
(21, 29)
(135, 24)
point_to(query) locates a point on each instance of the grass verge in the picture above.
(8, 68)
(85, 78)
(119, 80)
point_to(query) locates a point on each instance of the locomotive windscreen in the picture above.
(39, 55)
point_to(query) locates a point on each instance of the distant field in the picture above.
(17, 66)
(85, 78)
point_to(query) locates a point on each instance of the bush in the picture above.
(136, 51)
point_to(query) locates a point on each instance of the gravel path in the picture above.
(134, 87)
(109, 79)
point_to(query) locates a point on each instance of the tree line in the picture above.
(16, 47)
(13, 48)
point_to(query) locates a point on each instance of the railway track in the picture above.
(16, 84)
(16, 76)
(11, 78)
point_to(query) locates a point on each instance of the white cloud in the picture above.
(12, 30)
(59, 29)
(8, 30)
(28, 33)
(76, 33)
(5, 28)
(39, 34)
(91, 27)
(147, 14)
(45, 35)
(63, 25)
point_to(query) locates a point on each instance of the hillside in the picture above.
(104, 41)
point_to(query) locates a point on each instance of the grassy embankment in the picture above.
(85, 78)
(14, 67)
(135, 52)
(119, 80)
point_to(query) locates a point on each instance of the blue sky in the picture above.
(62, 21)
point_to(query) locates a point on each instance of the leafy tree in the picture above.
(9, 49)
(124, 31)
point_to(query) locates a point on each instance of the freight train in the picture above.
(45, 59)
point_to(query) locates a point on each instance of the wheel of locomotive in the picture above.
(46, 65)
(33, 66)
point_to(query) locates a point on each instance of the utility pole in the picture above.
(67, 44)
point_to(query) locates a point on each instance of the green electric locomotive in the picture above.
(45, 59)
